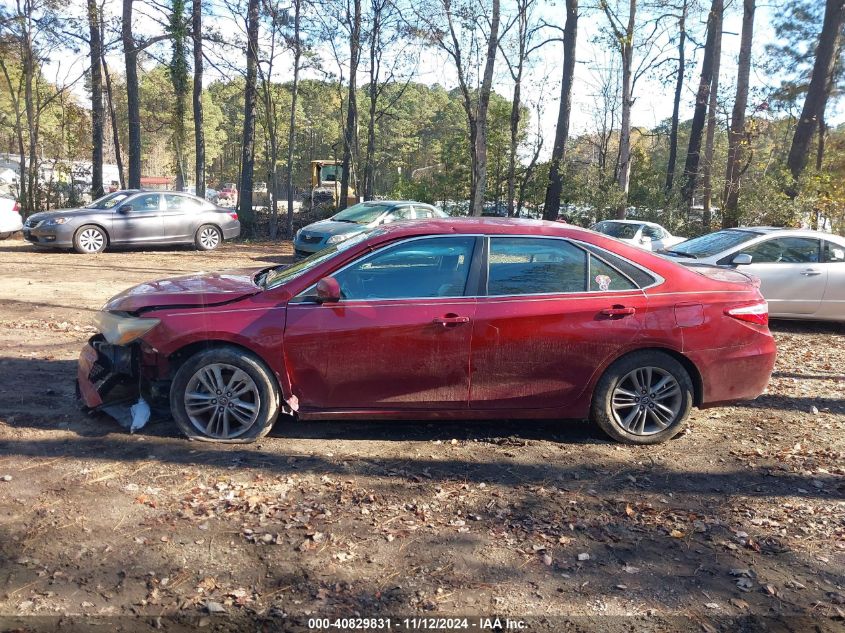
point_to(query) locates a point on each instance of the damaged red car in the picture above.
(460, 319)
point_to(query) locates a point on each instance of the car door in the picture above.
(792, 278)
(179, 217)
(553, 313)
(138, 220)
(833, 303)
(399, 338)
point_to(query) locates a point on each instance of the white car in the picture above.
(802, 273)
(645, 235)
(10, 217)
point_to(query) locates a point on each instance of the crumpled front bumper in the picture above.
(107, 374)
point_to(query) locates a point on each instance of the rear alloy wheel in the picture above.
(224, 395)
(643, 398)
(90, 239)
(208, 237)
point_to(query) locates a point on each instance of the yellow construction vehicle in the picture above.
(325, 185)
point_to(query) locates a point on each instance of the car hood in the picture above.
(61, 213)
(330, 227)
(199, 289)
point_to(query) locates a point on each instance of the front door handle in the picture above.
(811, 272)
(618, 311)
(451, 319)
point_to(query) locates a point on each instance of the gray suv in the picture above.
(131, 217)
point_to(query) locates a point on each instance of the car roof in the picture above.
(769, 230)
(394, 203)
(485, 226)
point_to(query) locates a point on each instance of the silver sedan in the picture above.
(133, 217)
(802, 273)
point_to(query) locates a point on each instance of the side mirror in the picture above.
(741, 259)
(328, 290)
(124, 209)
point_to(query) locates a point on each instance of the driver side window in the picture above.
(145, 202)
(785, 250)
(423, 268)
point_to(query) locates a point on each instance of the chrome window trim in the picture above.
(300, 299)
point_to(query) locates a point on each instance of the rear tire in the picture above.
(90, 239)
(208, 237)
(643, 398)
(225, 394)
(5, 236)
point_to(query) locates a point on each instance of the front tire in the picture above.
(208, 237)
(643, 398)
(224, 394)
(90, 239)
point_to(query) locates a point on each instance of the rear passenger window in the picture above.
(524, 266)
(833, 253)
(606, 278)
(640, 277)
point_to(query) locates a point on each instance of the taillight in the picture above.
(233, 215)
(757, 313)
(17, 207)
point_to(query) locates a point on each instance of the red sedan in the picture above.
(470, 318)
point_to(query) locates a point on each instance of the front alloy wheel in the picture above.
(224, 394)
(222, 401)
(89, 240)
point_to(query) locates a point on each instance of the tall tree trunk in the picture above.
(15, 96)
(816, 98)
(820, 147)
(676, 104)
(113, 118)
(133, 104)
(297, 53)
(736, 136)
(199, 133)
(480, 149)
(551, 208)
(714, 25)
(95, 51)
(516, 104)
(375, 72)
(179, 78)
(625, 42)
(250, 98)
(710, 136)
(350, 137)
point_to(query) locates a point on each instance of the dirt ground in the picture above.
(547, 523)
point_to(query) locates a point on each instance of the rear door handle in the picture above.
(618, 311)
(811, 272)
(451, 319)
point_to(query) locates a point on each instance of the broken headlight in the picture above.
(121, 330)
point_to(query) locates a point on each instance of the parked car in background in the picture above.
(229, 192)
(134, 217)
(357, 219)
(646, 235)
(802, 273)
(10, 217)
(447, 319)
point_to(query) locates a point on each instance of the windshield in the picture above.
(361, 213)
(108, 201)
(618, 230)
(712, 243)
(284, 274)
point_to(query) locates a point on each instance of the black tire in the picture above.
(208, 237)
(5, 236)
(90, 239)
(266, 396)
(645, 421)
